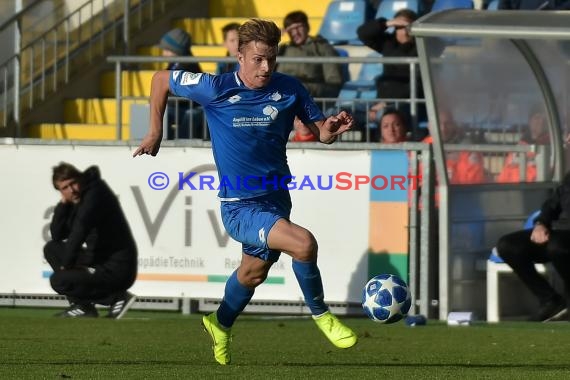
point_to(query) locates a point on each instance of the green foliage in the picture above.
(150, 345)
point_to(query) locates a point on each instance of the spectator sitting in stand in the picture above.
(538, 134)
(323, 80)
(393, 126)
(230, 33)
(177, 43)
(463, 167)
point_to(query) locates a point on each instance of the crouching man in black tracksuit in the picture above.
(93, 253)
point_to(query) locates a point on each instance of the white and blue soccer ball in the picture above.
(386, 298)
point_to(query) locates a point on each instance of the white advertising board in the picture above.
(183, 247)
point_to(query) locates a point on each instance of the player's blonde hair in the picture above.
(259, 30)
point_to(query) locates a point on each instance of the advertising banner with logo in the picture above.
(173, 210)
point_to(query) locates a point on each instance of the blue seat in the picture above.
(370, 71)
(440, 5)
(369, 93)
(367, 74)
(388, 8)
(354, 97)
(345, 70)
(341, 20)
(347, 95)
(356, 94)
(493, 5)
(528, 225)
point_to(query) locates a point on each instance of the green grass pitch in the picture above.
(153, 345)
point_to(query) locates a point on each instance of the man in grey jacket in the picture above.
(323, 80)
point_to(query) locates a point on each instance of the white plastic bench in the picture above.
(495, 268)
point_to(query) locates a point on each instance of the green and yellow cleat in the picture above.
(339, 335)
(221, 338)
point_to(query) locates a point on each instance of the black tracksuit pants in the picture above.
(83, 285)
(520, 253)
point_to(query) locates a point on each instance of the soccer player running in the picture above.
(250, 114)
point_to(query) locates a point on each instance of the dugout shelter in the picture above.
(489, 69)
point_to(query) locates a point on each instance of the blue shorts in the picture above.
(250, 220)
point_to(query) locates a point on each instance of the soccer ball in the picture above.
(386, 298)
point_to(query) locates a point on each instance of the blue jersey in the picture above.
(249, 127)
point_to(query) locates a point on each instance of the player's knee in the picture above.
(307, 248)
(252, 279)
(255, 281)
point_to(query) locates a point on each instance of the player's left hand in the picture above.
(339, 124)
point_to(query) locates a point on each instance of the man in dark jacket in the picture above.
(548, 241)
(532, 5)
(93, 253)
(394, 83)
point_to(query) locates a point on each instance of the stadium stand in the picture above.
(493, 5)
(369, 72)
(358, 94)
(440, 5)
(94, 118)
(341, 20)
(364, 87)
(345, 70)
(388, 8)
(361, 89)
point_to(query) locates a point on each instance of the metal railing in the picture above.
(121, 62)
(48, 61)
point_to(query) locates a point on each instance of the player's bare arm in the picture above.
(330, 128)
(158, 98)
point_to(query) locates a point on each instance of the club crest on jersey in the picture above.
(190, 78)
(271, 111)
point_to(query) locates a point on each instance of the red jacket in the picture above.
(511, 171)
(304, 138)
(463, 167)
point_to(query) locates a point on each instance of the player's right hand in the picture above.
(398, 23)
(149, 145)
(540, 234)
